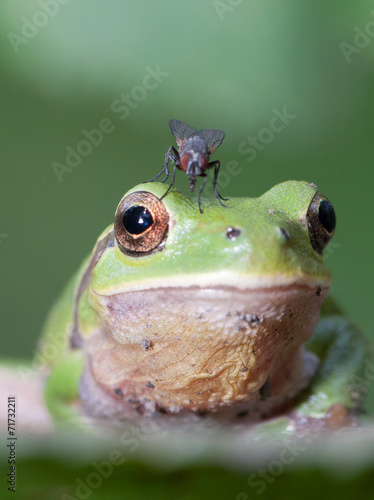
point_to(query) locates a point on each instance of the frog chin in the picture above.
(197, 349)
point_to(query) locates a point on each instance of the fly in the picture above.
(193, 155)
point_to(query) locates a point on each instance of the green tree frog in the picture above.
(183, 314)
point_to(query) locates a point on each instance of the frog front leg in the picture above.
(337, 390)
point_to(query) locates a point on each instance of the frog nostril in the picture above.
(233, 233)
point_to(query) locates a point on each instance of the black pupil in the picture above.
(137, 219)
(326, 215)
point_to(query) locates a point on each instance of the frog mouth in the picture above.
(219, 280)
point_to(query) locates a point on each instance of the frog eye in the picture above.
(141, 224)
(321, 222)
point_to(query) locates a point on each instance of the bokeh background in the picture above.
(66, 66)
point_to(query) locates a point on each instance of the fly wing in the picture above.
(181, 131)
(212, 137)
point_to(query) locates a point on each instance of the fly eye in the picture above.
(321, 222)
(141, 224)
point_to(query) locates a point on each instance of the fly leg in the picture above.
(172, 182)
(171, 154)
(216, 164)
(200, 191)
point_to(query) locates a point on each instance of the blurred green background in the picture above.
(68, 65)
